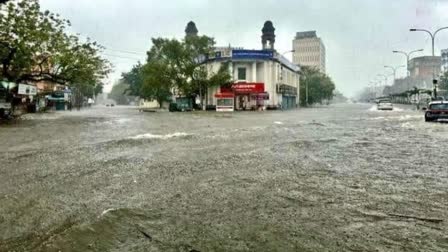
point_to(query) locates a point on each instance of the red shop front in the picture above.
(249, 95)
(244, 96)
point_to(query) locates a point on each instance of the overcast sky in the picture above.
(359, 35)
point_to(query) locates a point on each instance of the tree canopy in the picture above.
(119, 93)
(176, 67)
(444, 81)
(320, 86)
(34, 46)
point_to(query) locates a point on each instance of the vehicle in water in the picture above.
(436, 110)
(385, 104)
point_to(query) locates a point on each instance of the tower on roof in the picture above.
(268, 37)
(191, 29)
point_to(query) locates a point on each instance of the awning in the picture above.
(225, 95)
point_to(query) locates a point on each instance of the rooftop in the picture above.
(306, 34)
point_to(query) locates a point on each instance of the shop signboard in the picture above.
(248, 87)
(25, 89)
(252, 54)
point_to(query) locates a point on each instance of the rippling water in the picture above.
(345, 177)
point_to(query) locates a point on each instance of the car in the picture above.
(436, 110)
(385, 105)
(438, 98)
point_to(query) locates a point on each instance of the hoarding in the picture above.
(25, 89)
(248, 87)
(252, 54)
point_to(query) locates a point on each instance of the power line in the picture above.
(125, 51)
(120, 56)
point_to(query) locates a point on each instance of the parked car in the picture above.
(436, 110)
(385, 105)
(438, 98)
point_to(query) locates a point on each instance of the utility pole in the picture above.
(433, 36)
(306, 87)
(394, 69)
(408, 55)
(385, 79)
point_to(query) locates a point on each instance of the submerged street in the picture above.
(344, 177)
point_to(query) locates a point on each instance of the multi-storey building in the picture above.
(309, 50)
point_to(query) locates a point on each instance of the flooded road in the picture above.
(338, 178)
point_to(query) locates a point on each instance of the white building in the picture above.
(262, 79)
(309, 50)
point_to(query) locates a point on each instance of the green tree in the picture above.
(443, 85)
(135, 79)
(179, 66)
(119, 93)
(172, 54)
(98, 89)
(319, 86)
(156, 82)
(34, 46)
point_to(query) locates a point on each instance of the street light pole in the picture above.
(306, 90)
(394, 69)
(408, 55)
(290, 51)
(385, 79)
(433, 35)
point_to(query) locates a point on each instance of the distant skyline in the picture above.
(359, 35)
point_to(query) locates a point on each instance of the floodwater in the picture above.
(338, 178)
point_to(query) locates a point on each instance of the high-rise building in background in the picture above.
(309, 50)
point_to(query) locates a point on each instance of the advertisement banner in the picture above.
(252, 54)
(247, 87)
(27, 89)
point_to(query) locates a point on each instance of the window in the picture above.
(439, 106)
(241, 73)
(225, 102)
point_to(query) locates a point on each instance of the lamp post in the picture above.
(394, 69)
(385, 79)
(290, 51)
(432, 34)
(408, 55)
(306, 90)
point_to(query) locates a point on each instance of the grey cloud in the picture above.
(359, 35)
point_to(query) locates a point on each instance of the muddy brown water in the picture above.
(338, 178)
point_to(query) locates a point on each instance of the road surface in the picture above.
(338, 178)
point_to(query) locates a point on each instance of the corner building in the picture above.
(262, 79)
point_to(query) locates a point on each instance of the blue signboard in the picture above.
(252, 54)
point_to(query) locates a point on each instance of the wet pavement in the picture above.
(338, 178)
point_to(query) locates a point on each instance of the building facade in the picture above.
(425, 66)
(309, 50)
(444, 56)
(262, 79)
